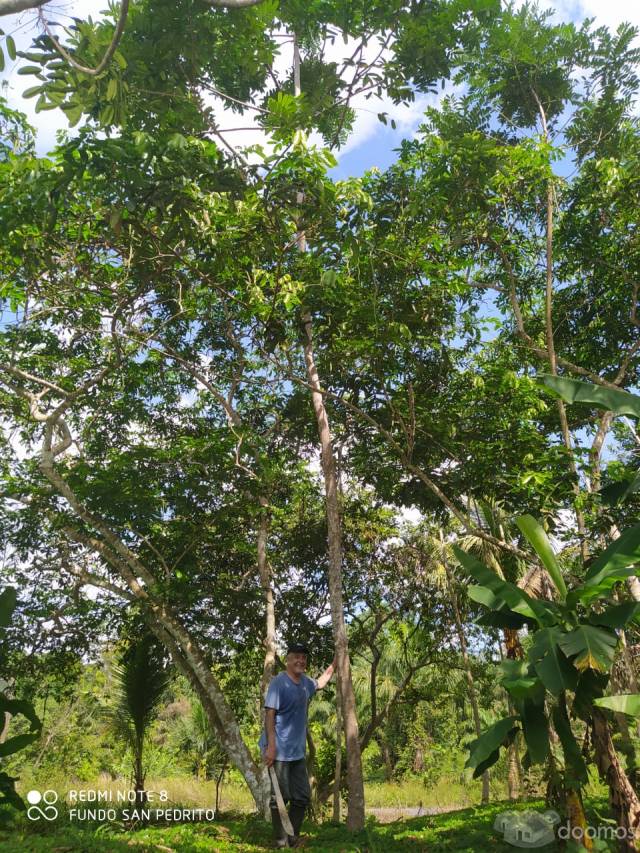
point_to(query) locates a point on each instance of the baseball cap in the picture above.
(297, 648)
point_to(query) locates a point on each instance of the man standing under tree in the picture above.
(284, 741)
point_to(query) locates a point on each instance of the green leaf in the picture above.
(575, 391)
(572, 753)
(617, 615)
(73, 112)
(623, 703)
(551, 665)
(112, 89)
(30, 69)
(538, 539)
(613, 565)
(618, 492)
(520, 681)
(15, 744)
(1, 60)
(502, 618)
(20, 706)
(524, 688)
(505, 594)
(591, 686)
(8, 598)
(489, 743)
(536, 731)
(42, 104)
(486, 764)
(590, 647)
(32, 92)
(9, 795)
(11, 48)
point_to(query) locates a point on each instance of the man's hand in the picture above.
(270, 754)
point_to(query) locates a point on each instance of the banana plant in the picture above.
(611, 400)
(8, 793)
(567, 667)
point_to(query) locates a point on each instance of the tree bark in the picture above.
(13, 7)
(264, 571)
(622, 797)
(355, 784)
(138, 777)
(337, 779)
(513, 773)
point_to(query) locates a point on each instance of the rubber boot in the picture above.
(296, 816)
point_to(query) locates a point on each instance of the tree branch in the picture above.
(115, 41)
(12, 7)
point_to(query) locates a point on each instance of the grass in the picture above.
(184, 791)
(467, 830)
(448, 793)
(235, 796)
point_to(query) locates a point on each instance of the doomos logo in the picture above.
(48, 811)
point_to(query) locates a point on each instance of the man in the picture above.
(284, 741)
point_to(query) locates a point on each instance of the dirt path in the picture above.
(388, 814)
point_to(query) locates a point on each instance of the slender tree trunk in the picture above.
(387, 759)
(312, 766)
(267, 588)
(513, 777)
(623, 800)
(553, 362)
(219, 779)
(138, 776)
(355, 784)
(337, 779)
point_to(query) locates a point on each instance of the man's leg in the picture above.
(300, 793)
(282, 775)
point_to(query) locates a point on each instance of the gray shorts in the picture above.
(293, 780)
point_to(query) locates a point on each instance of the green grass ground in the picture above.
(467, 830)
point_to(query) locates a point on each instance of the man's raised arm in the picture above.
(325, 678)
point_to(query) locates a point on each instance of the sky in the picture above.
(371, 143)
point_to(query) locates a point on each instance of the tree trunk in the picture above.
(270, 614)
(337, 779)
(138, 776)
(622, 798)
(355, 785)
(387, 759)
(513, 778)
(166, 625)
(219, 779)
(6, 722)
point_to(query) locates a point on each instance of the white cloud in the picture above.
(610, 13)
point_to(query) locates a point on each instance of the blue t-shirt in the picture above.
(290, 701)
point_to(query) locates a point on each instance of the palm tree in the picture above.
(141, 677)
